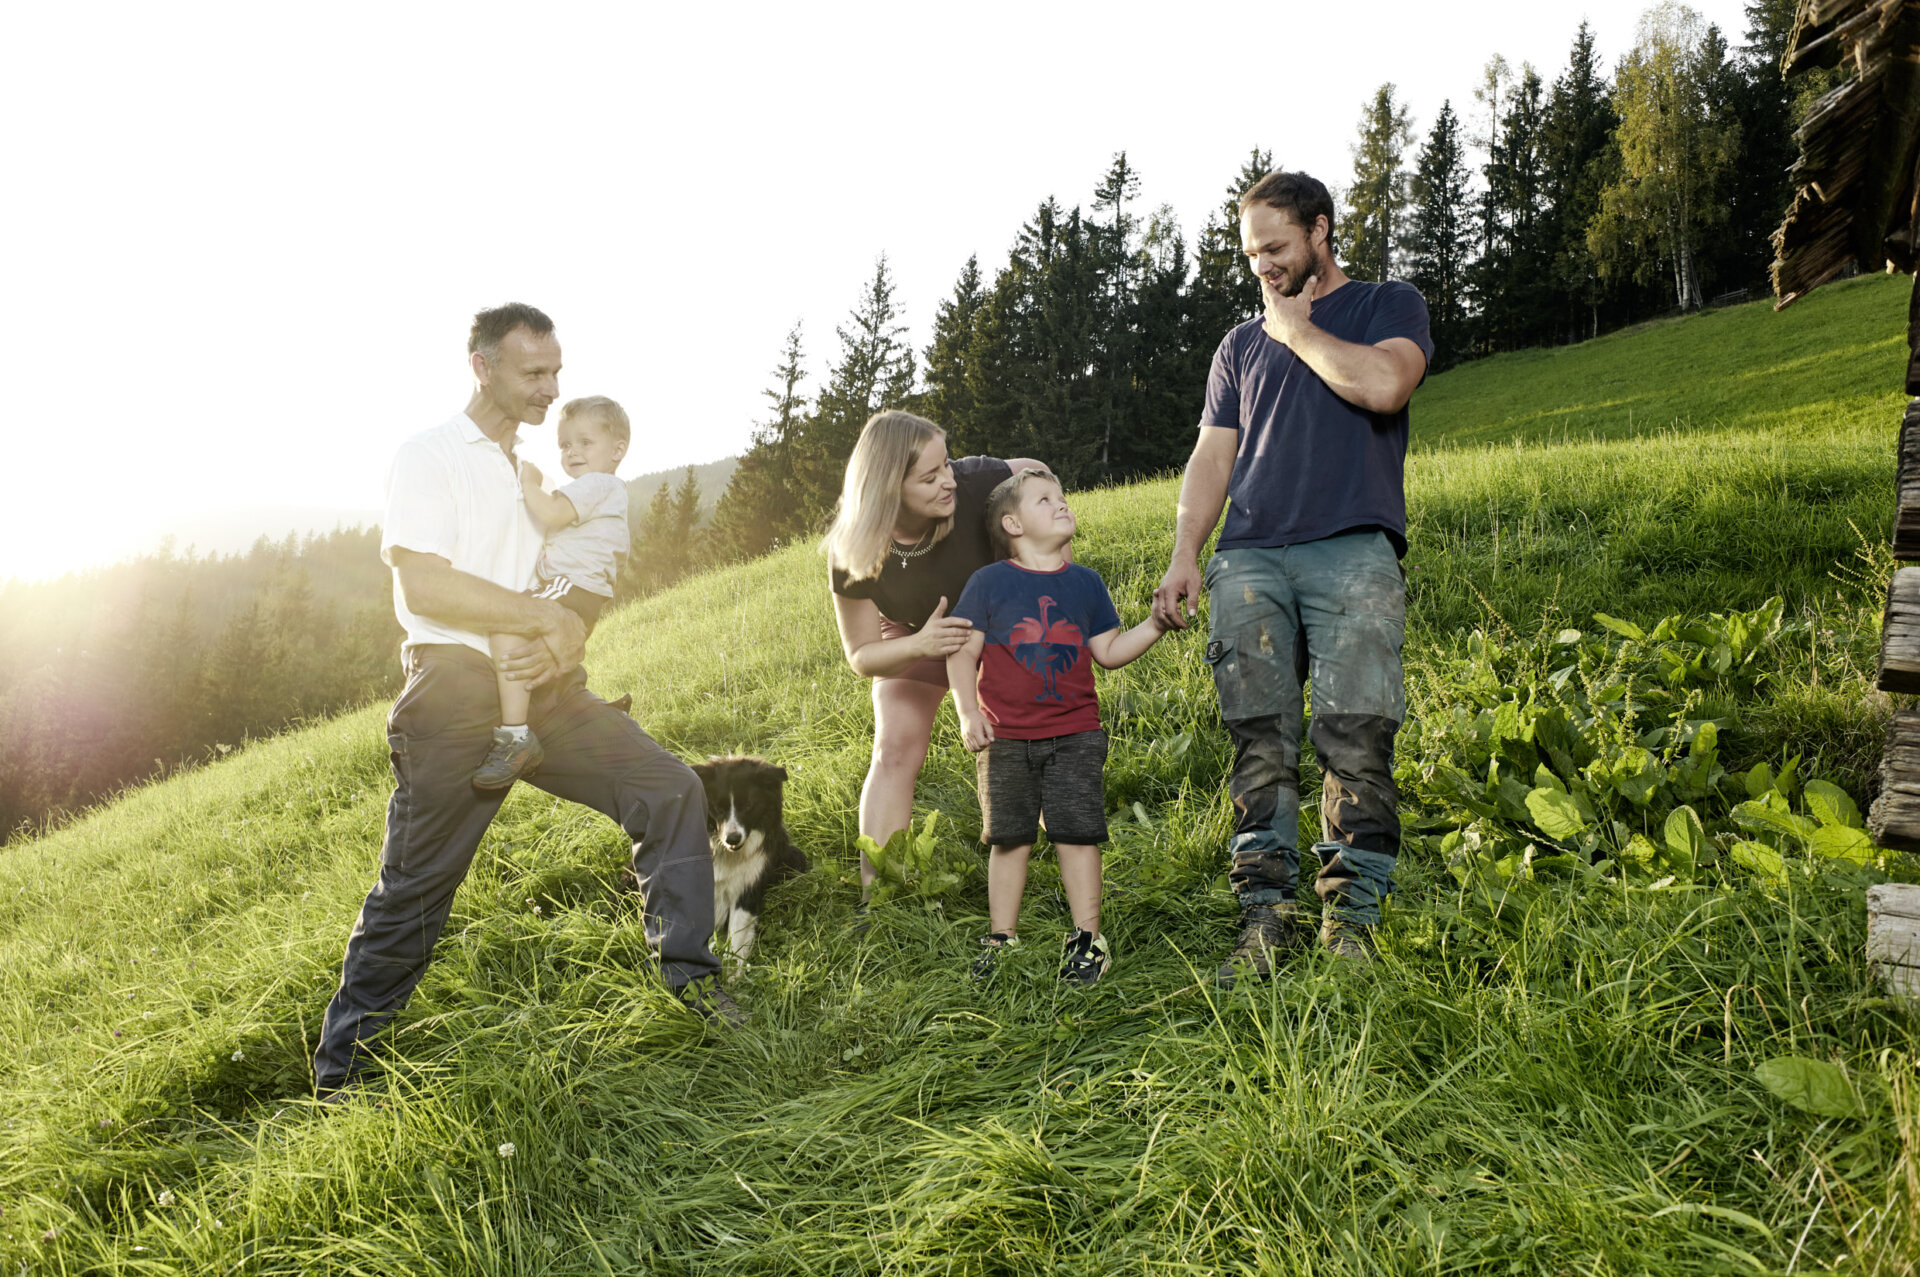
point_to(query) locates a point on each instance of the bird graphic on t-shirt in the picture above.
(1048, 648)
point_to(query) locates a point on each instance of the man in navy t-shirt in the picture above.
(1305, 429)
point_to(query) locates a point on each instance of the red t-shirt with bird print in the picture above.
(1036, 674)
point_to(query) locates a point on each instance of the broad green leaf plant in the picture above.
(1599, 755)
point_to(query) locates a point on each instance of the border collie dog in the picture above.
(751, 850)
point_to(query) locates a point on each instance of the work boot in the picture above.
(1347, 940)
(511, 757)
(1266, 932)
(706, 999)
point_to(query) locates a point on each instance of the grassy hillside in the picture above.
(1541, 1074)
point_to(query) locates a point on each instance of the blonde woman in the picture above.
(911, 529)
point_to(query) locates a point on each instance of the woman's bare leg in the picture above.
(903, 713)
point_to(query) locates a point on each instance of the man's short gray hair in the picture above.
(490, 327)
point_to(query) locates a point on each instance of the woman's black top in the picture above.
(906, 593)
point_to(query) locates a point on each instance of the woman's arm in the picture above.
(874, 657)
(1017, 464)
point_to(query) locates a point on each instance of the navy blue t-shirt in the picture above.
(1310, 464)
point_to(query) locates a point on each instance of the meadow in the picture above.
(1548, 1069)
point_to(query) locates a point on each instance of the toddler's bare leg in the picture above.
(1080, 878)
(514, 697)
(1006, 883)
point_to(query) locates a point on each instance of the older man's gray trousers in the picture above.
(438, 733)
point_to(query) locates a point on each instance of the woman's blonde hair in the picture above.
(889, 448)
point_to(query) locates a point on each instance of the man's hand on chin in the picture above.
(557, 646)
(1286, 317)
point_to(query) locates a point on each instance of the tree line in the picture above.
(1589, 202)
(1596, 202)
(125, 673)
(118, 675)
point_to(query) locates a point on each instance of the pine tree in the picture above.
(1769, 110)
(1115, 264)
(686, 522)
(1491, 94)
(1576, 147)
(1377, 200)
(948, 400)
(1168, 376)
(1440, 236)
(875, 371)
(1515, 308)
(1224, 292)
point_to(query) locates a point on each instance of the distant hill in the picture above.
(713, 478)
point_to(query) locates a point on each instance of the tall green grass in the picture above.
(1565, 1088)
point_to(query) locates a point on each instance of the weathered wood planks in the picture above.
(1895, 819)
(1900, 634)
(1906, 514)
(1893, 936)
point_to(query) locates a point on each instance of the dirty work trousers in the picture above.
(438, 734)
(1335, 610)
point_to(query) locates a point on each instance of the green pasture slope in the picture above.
(1564, 1086)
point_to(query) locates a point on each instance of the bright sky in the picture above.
(247, 240)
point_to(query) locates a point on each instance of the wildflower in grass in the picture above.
(165, 1198)
(506, 1150)
(50, 1235)
(238, 1055)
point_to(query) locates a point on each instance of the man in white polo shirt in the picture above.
(462, 547)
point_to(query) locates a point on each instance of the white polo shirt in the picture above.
(454, 493)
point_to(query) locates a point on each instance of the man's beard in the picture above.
(1316, 266)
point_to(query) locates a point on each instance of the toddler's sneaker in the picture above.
(1087, 958)
(995, 944)
(511, 757)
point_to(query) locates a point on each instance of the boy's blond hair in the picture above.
(606, 411)
(1005, 500)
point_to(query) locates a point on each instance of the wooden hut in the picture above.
(1856, 203)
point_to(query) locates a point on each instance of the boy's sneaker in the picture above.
(1087, 958)
(510, 758)
(995, 944)
(1266, 932)
(1348, 941)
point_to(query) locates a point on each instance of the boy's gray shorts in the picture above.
(1065, 776)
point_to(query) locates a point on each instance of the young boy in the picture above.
(1035, 722)
(586, 526)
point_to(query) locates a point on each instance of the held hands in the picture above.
(976, 731)
(942, 635)
(1287, 317)
(1180, 586)
(556, 647)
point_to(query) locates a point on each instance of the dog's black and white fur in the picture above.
(751, 850)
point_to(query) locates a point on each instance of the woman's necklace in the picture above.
(918, 548)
